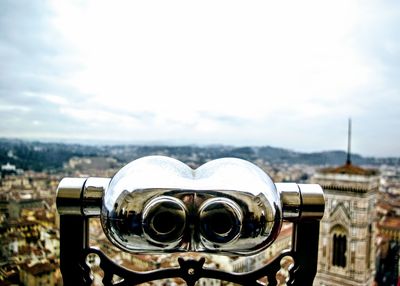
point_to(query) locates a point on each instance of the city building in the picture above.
(29, 221)
(346, 250)
(38, 274)
(388, 256)
(348, 228)
(8, 169)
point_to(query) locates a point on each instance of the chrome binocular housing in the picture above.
(157, 204)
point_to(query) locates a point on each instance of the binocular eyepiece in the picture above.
(164, 220)
(159, 204)
(220, 221)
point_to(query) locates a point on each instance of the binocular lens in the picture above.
(220, 220)
(164, 219)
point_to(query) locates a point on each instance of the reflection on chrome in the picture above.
(159, 204)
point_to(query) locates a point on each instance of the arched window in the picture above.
(339, 243)
(369, 245)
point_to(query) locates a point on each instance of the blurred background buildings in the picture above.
(359, 239)
(133, 78)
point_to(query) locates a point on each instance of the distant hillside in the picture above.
(38, 156)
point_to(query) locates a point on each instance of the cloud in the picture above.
(285, 74)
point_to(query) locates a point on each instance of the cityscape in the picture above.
(368, 187)
(86, 87)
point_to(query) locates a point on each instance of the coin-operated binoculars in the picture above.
(158, 204)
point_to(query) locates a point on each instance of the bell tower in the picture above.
(346, 254)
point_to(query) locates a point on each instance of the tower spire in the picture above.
(348, 161)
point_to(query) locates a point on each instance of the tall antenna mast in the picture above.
(348, 161)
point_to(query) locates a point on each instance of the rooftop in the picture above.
(350, 169)
(39, 268)
(392, 223)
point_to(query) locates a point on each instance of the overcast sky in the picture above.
(281, 73)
